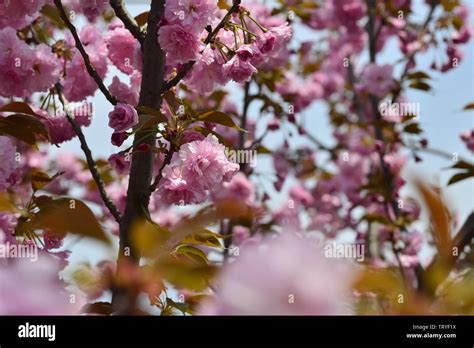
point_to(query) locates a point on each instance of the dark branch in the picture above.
(127, 19)
(89, 158)
(141, 169)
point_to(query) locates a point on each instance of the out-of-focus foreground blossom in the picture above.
(34, 288)
(283, 275)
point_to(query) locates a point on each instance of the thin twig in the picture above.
(89, 158)
(90, 68)
(439, 153)
(212, 34)
(159, 176)
(426, 22)
(127, 19)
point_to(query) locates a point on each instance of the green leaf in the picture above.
(142, 18)
(149, 117)
(223, 5)
(182, 307)
(188, 276)
(469, 106)
(67, 215)
(153, 112)
(449, 5)
(171, 99)
(206, 131)
(203, 237)
(5, 202)
(40, 179)
(190, 253)
(219, 117)
(463, 165)
(418, 75)
(459, 177)
(149, 238)
(413, 128)
(263, 150)
(102, 308)
(420, 85)
(23, 127)
(53, 14)
(18, 107)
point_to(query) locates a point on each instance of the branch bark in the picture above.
(138, 194)
(89, 158)
(90, 68)
(127, 19)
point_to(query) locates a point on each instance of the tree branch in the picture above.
(426, 22)
(89, 158)
(90, 68)
(212, 34)
(159, 176)
(138, 193)
(127, 19)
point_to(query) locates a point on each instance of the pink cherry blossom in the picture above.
(468, 138)
(377, 79)
(78, 83)
(239, 70)
(93, 8)
(194, 15)
(68, 163)
(59, 128)
(206, 161)
(17, 14)
(118, 138)
(25, 70)
(8, 223)
(301, 195)
(21, 280)
(16, 64)
(240, 188)
(127, 93)
(9, 163)
(240, 234)
(180, 45)
(207, 73)
(119, 162)
(123, 117)
(124, 50)
(176, 189)
(274, 40)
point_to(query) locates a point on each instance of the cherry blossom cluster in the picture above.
(197, 168)
(234, 54)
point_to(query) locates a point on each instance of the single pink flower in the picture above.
(123, 117)
(378, 79)
(120, 162)
(180, 45)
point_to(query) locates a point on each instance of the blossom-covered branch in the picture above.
(90, 68)
(211, 35)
